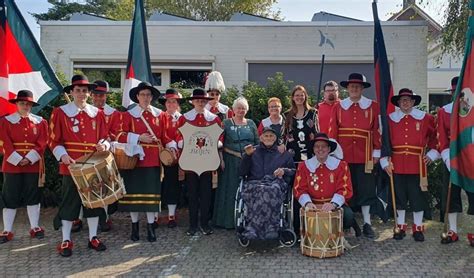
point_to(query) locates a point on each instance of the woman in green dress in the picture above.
(238, 133)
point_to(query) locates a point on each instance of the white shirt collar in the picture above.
(191, 115)
(364, 103)
(15, 118)
(398, 114)
(108, 110)
(268, 122)
(71, 110)
(448, 108)
(220, 107)
(331, 163)
(137, 111)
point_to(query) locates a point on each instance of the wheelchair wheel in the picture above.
(288, 238)
(244, 242)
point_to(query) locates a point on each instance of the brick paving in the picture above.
(219, 255)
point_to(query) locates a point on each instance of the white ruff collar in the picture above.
(108, 110)
(417, 114)
(191, 115)
(268, 122)
(220, 107)
(364, 103)
(448, 108)
(15, 118)
(137, 111)
(71, 110)
(331, 163)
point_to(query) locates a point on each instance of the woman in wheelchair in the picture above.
(262, 201)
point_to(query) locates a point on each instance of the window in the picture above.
(110, 75)
(157, 81)
(188, 79)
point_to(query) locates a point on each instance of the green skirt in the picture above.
(229, 181)
(143, 186)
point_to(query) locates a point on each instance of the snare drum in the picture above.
(321, 233)
(167, 157)
(97, 179)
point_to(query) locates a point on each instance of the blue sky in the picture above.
(292, 10)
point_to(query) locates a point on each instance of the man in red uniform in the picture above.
(455, 206)
(24, 136)
(412, 132)
(215, 87)
(324, 180)
(199, 187)
(355, 126)
(331, 97)
(76, 129)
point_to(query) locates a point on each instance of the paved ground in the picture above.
(219, 255)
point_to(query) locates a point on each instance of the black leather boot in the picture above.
(151, 233)
(135, 233)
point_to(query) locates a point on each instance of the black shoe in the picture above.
(191, 231)
(96, 244)
(76, 226)
(106, 226)
(418, 236)
(206, 230)
(65, 248)
(356, 228)
(399, 236)
(135, 233)
(151, 236)
(367, 231)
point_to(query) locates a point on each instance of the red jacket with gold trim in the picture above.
(198, 119)
(443, 132)
(355, 126)
(23, 137)
(323, 182)
(131, 126)
(324, 115)
(410, 135)
(111, 117)
(221, 110)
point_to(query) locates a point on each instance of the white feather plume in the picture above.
(215, 82)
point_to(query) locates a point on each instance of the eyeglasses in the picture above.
(333, 90)
(274, 107)
(145, 95)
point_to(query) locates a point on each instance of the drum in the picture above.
(97, 179)
(321, 233)
(167, 157)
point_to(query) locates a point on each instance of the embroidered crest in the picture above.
(310, 123)
(331, 178)
(366, 113)
(418, 126)
(35, 130)
(157, 121)
(94, 124)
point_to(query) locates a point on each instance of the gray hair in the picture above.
(241, 101)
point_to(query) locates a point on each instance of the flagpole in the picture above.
(323, 57)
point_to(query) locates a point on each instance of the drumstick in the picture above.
(92, 153)
(148, 127)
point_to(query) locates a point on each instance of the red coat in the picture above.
(324, 115)
(75, 132)
(111, 118)
(131, 126)
(23, 138)
(410, 136)
(173, 122)
(443, 132)
(221, 110)
(355, 126)
(322, 183)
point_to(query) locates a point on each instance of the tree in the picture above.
(453, 37)
(203, 10)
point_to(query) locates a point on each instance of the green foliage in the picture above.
(453, 38)
(207, 10)
(436, 179)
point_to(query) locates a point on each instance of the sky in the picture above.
(291, 10)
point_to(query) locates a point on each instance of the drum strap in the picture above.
(148, 127)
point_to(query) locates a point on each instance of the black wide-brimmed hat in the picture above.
(171, 94)
(24, 95)
(199, 93)
(102, 87)
(323, 137)
(143, 86)
(454, 84)
(79, 80)
(405, 92)
(355, 78)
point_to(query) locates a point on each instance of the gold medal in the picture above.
(418, 126)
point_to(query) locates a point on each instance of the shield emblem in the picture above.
(200, 152)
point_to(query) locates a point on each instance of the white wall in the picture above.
(230, 45)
